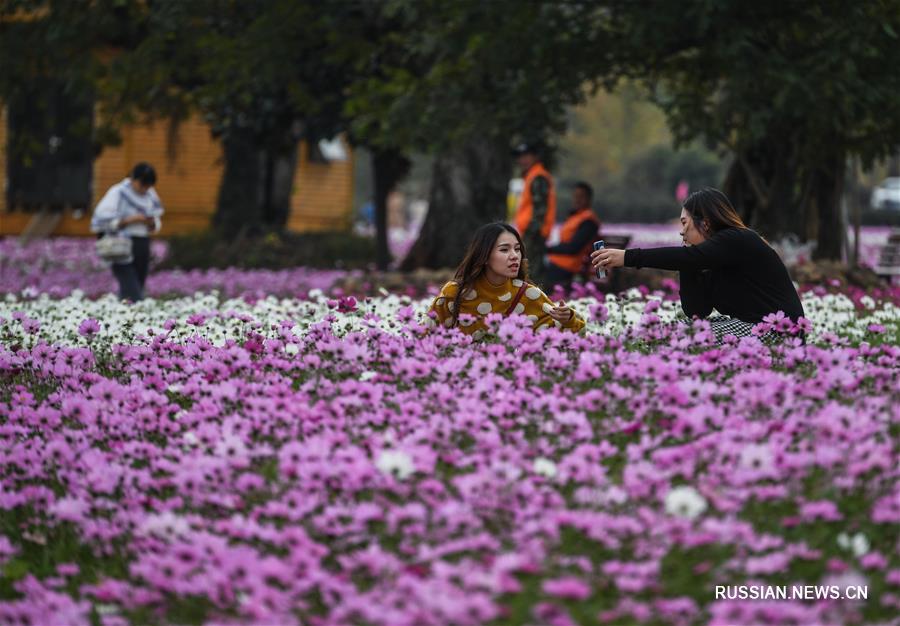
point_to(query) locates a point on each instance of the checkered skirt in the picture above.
(722, 326)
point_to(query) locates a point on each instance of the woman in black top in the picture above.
(723, 265)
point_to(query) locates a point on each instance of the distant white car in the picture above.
(886, 196)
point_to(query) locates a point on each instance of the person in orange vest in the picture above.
(576, 238)
(536, 213)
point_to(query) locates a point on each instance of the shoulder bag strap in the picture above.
(515, 300)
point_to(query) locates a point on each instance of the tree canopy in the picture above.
(791, 89)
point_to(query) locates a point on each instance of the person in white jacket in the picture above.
(132, 208)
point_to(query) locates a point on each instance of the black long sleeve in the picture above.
(696, 298)
(724, 248)
(746, 278)
(584, 235)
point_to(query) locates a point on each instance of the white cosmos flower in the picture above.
(122, 322)
(166, 525)
(544, 467)
(685, 501)
(106, 609)
(396, 463)
(858, 544)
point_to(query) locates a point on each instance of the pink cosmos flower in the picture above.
(568, 587)
(31, 326)
(822, 509)
(88, 328)
(874, 560)
(7, 549)
(70, 509)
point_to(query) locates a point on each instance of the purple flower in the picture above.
(346, 304)
(822, 509)
(196, 319)
(599, 312)
(88, 328)
(569, 587)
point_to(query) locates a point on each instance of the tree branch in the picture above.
(762, 195)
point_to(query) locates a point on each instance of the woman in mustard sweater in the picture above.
(493, 278)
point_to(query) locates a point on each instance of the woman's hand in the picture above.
(607, 258)
(562, 313)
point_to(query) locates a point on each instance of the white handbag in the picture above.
(114, 248)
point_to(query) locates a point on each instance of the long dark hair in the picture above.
(477, 256)
(714, 207)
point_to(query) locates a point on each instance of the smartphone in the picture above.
(599, 245)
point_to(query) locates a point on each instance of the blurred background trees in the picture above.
(768, 99)
(619, 143)
(791, 90)
(263, 74)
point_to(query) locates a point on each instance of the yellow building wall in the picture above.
(188, 184)
(2, 162)
(322, 198)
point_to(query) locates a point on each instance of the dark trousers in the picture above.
(132, 276)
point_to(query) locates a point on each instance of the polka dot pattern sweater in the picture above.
(485, 298)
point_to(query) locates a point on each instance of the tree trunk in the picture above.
(785, 208)
(827, 190)
(776, 194)
(255, 191)
(737, 187)
(239, 209)
(389, 167)
(857, 212)
(762, 185)
(468, 189)
(279, 185)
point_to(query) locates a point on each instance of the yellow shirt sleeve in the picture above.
(538, 306)
(441, 304)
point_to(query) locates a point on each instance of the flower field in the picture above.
(315, 459)
(59, 266)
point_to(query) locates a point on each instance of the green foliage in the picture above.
(791, 89)
(59, 48)
(607, 132)
(645, 191)
(734, 72)
(256, 66)
(454, 70)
